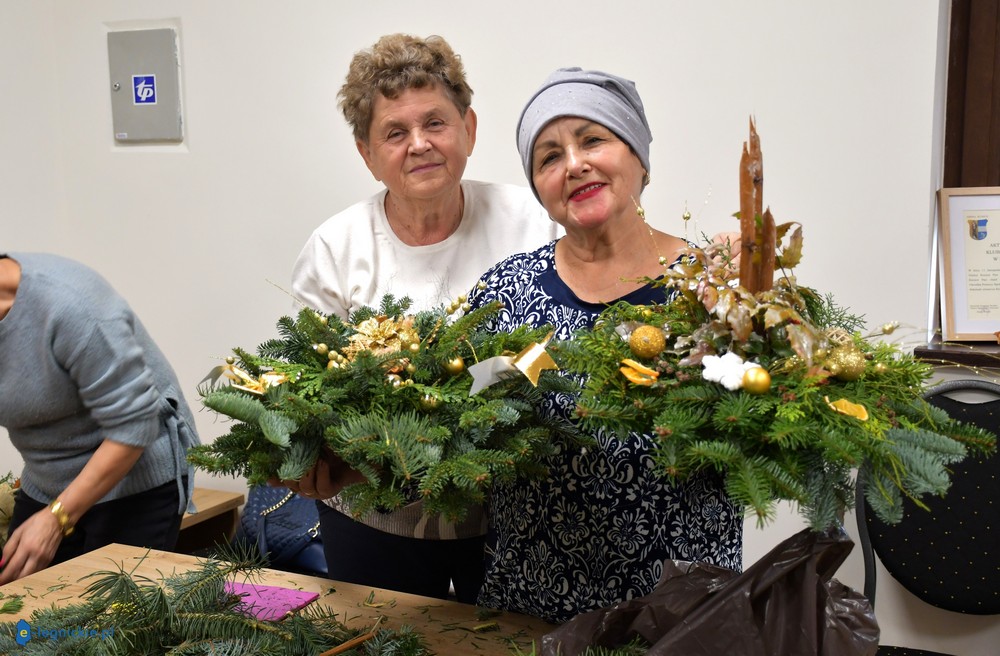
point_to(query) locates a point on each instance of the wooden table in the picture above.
(448, 627)
(216, 519)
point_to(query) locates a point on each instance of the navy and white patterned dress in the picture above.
(597, 529)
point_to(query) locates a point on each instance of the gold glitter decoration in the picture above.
(846, 363)
(379, 335)
(647, 341)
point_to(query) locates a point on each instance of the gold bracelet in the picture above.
(57, 510)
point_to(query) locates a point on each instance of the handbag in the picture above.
(284, 528)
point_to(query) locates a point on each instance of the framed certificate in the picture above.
(970, 263)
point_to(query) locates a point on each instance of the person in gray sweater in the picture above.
(96, 413)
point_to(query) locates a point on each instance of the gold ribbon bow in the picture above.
(243, 380)
(531, 362)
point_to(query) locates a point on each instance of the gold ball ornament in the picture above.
(394, 380)
(756, 381)
(322, 349)
(429, 402)
(455, 366)
(230, 360)
(889, 328)
(846, 363)
(880, 368)
(647, 341)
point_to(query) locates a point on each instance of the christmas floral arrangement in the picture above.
(771, 384)
(426, 406)
(8, 486)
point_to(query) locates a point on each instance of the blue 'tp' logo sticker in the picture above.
(143, 89)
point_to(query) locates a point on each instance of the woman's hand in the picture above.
(325, 479)
(31, 546)
(732, 239)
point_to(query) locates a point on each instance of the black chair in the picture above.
(948, 557)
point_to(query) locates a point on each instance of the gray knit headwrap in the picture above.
(601, 97)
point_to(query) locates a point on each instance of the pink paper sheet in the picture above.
(269, 602)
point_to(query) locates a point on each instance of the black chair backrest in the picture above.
(950, 556)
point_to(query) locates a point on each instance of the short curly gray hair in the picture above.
(396, 63)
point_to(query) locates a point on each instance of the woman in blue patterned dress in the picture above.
(596, 530)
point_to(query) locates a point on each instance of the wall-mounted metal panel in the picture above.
(145, 86)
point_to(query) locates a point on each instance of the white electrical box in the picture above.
(145, 86)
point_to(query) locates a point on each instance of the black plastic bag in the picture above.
(787, 603)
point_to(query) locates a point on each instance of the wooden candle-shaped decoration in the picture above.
(757, 246)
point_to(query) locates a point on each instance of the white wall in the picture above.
(201, 236)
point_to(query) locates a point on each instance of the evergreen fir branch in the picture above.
(489, 415)
(231, 626)
(231, 403)
(720, 455)
(301, 456)
(939, 447)
(747, 487)
(289, 348)
(741, 414)
(277, 428)
(924, 472)
(883, 495)
(258, 645)
(823, 310)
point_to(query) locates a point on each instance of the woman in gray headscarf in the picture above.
(597, 529)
